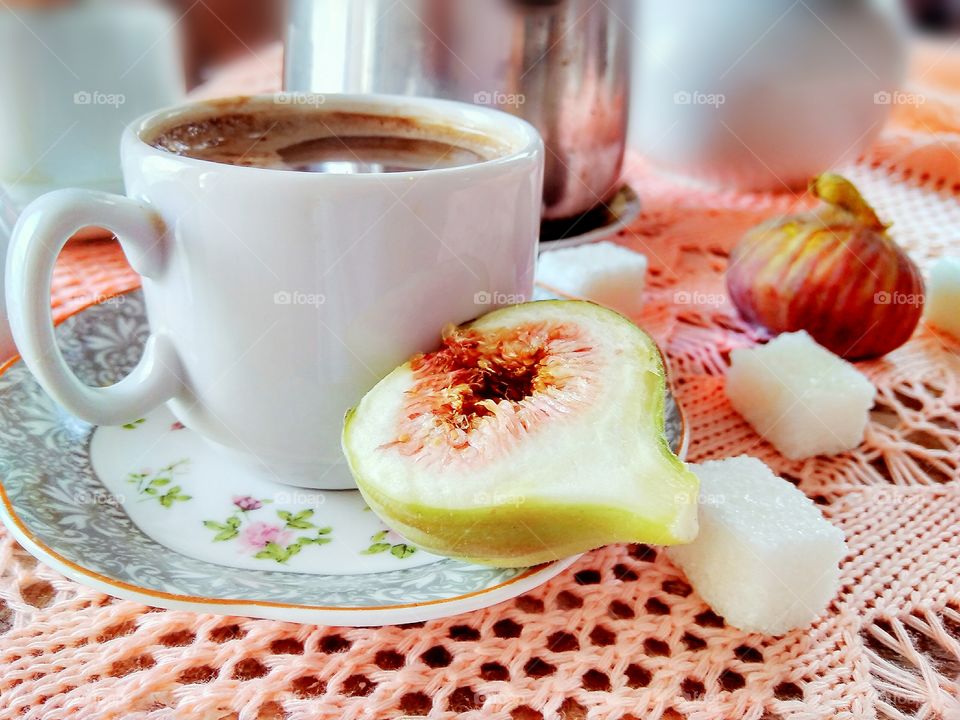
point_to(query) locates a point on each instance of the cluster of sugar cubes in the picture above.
(801, 397)
(604, 272)
(765, 557)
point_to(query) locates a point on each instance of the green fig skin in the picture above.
(515, 536)
(519, 523)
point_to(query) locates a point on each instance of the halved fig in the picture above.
(533, 433)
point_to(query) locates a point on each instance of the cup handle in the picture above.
(41, 232)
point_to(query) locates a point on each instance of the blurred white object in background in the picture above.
(71, 78)
(764, 95)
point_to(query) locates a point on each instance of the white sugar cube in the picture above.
(943, 295)
(765, 558)
(800, 396)
(604, 272)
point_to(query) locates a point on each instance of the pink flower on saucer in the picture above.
(257, 535)
(177, 425)
(247, 502)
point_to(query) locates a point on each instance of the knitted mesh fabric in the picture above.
(620, 634)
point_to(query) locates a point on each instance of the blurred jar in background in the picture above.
(72, 76)
(763, 96)
(562, 65)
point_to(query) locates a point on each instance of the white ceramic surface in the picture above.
(763, 95)
(186, 496)
(71, 78)
(277, 298)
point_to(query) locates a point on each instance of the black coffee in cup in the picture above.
(292, 134)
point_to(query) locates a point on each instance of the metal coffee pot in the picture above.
(563, 65)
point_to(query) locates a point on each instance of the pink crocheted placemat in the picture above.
(620, 634)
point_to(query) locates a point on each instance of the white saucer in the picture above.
(151, 513)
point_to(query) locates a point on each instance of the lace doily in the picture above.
(620, 634)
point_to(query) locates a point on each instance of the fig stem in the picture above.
(836, 190)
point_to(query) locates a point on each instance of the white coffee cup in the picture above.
(276, 298)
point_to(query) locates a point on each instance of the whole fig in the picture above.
(834, 272)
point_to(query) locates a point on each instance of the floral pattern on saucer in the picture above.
(153, 485)
(389, 541)
(207, 505)
(279, 540)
